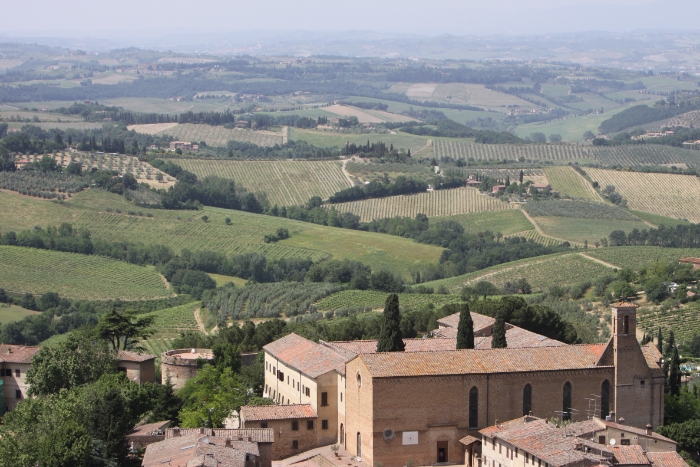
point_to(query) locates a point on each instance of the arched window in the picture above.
(605, 399)
(626, 325)
(474, 408)
(527, 399)
(567, 402)
(359, 444)
(342, 436)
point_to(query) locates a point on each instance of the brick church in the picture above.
(416, 405)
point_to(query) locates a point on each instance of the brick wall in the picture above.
(285, 437)
(359, 409)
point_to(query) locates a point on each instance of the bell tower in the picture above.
(638, 388)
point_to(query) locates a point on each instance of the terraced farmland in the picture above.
(663, 194)
(76, 276)
(435, 203)
(212, 135)
(635, 257)
(541, 272)
(537, 237)
(566, 180)
(285, 182)
(376, 300)
(615, 155)
(685, 322)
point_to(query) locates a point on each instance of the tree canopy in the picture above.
(390, 338)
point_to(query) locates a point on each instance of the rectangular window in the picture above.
(499, 448)
(263, 424)
(274, 370)
(295, 425)
(324, 399)
(341, 397)
(16, 373)
(303, 389)
(280, 376)
(642, 383)
(18, 394)
(295, 444)
(308, 392)
(601, 440)
(310, 425)
(625, 442)
(324, 424)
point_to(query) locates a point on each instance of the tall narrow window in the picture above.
(605, 399)
(626, 325)
(527, 399)
(474, 408)
(567, 402)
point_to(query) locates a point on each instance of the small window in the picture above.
(341, 397)
(18, 394)
(263, 424)
(601, 440)
(310, 425)
(642, 383)
(359, 380)
(625, 442)
(119, 368)
(295, 425)
(266, 389)
(295, 444)
(324, 424)
(287, 379)
(280, 376)
(308, 392)
(324, 399)
(17, 373)
(499, 447)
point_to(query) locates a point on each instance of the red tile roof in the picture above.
(17, 353)
(666, 459)
(146, 430)
(196, 450)
(480, 321)
(138, 357)
(518, 337)
(624, 305)
(630, 455)
(631, 429)
(401, 364)
(276, 412)
(467, 440)
(307, 356)
(258, 435)
(353, 348)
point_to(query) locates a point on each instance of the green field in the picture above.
(659, 220)
(685, 322)
(541, 272)
(169, 324)
(506, 222)
(76, 276)
(326, 139)
(221, 279)
(567, 181)
(212, 135)
(285, 182)
(571, 128)
(577, 230)
(10, 313)
(636, 257)
(186, 229)
(376, 300)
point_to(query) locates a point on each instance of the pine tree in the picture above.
(659, 341)
(390, 339)
(465, 329)
(674, 374)
(498, 339)
(166, 405)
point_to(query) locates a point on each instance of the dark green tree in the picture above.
(123, 330)
(498, 339)
(390, 339)
(660, 341)
(166, 404)
(674, 374)
(67, 446)
(670, 345)
(465, 329)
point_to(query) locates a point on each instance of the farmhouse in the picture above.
(498, 188)
(388, 407)
(294, 425)
(540, 188)
(183, 146)
(695, 262)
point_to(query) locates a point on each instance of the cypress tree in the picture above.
(465, 329)
(390, 339)
(498, 339)
(668, 348)
(674, 374)
(660, 341)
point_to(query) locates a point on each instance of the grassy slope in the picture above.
(10, 313)
(541, 272)
(246, 233)
(507, 222)
(636, 257)
(578, 230)
(570, 128)
(328, 139)
(76, 276)
(659, 220)
(221, 279)
(376, 300)
(566, 180)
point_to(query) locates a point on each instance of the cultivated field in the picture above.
(169, 323)
(607, 156)
(10, 313)
(21, 115)
(376, 300)
(61, 125)
(535, 236)
(685, 323)
(76, 276)
(366, 116)
(460, 93)
(186, 229)
(507, 222)
(327, 139)
(636, 257)
(578, 230)
(436, 203)
(541, 273)
(285, 182)
(663, 194)
(212, 135)
(566, 180)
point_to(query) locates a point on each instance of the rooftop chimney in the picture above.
(612, 416)
(621, 421)
(648, 427)
(176, 432)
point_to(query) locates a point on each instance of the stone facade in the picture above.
(181, 365)
(295, 427)
(15, 361)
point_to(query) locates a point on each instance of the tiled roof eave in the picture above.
(602, 367)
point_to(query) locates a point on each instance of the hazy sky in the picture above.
(422, 17)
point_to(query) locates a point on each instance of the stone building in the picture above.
(139, 367)
(181, 365)
(294, 426)
(264, 438)
(15, 361)
(201, 450)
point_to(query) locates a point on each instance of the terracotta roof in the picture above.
(624, 305)
(138, 357)
(666, 459)
(638, 431)
(146, 430)
(353, 348)
(467, 440)
(480, 321)
(630, 455)
(653, 357)
(276, 412)
(258, 435)
(518, 337)
(17, 353)
(193, 450)
(513, 360)
(690, 260)
(307, 356)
